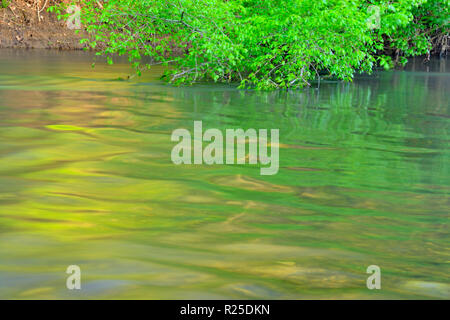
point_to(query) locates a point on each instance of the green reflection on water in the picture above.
(86, 179)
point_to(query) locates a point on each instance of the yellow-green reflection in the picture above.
(86, 179)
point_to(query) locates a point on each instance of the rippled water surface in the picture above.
(86, 179)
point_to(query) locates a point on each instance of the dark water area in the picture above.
(86, 179)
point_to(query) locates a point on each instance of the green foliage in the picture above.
(6, 3)
(264, 44)
(408, 28)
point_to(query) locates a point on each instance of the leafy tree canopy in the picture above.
(264, 44)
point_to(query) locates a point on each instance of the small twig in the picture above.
(45, 4)
(10, 8)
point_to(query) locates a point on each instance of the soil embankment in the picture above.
(27, 24)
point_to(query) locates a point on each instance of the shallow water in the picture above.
(86, 179)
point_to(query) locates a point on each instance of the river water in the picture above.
(86, 179)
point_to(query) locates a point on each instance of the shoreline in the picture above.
(23, 26)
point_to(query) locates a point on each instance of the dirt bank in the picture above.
(27, 24)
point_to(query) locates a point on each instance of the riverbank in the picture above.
(28, 25)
